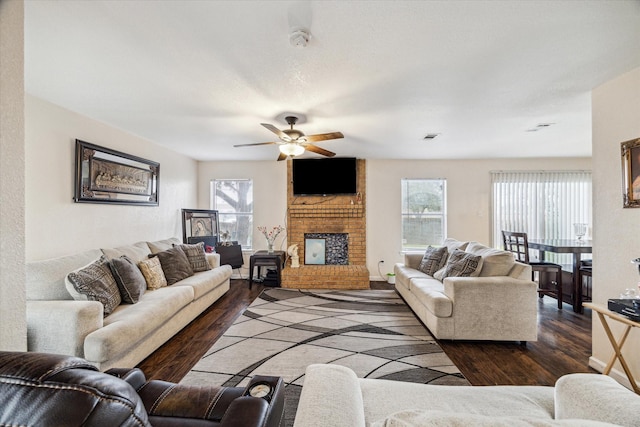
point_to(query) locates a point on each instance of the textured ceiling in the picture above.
(200, 76)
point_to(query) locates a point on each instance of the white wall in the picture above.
(616, 118)
(269, 196)
(13, 329)
(468, 187)
(55, 225)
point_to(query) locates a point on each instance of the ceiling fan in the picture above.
(294, 142)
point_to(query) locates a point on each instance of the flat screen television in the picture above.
(313, 177)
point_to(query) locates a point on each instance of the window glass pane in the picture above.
(233, 199)
(423, 213)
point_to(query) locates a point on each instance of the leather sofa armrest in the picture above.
(134, 376)
(170, 404)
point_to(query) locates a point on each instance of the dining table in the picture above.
(566, 246)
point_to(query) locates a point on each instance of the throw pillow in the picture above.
(433, 260)
(195, 255)
(153, 274)
(460, 264)
(95, 283)
(175, 264)
(129, 278)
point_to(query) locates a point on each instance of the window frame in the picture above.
(248, 245)
(440, 214)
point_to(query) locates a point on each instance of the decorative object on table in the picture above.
(109, 176)
(200, 225)
(315, 251)
(271, 235)
(580, 229)
(226, 238)
(293, 253)
(631, 173)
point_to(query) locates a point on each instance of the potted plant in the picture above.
(391, 278)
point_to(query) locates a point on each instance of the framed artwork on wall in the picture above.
(109, 176)
(630, 151)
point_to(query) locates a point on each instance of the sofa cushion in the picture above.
(162, 245)
(175, 265)
(196, 256)
(46, 278)
(433, 260)
(453, 244)
(431, 418)
(95, 282)
(430, 292)
(136, 252)
(129, 278)
(152, 272)
(460, 264)
(495, 262)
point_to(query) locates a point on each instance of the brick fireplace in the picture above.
(322, 217)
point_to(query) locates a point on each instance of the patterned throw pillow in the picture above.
(152, 272)
(460, 264)
(129, 278)
(175, 264)
(95, 283)
(195, 255)
(433, 260)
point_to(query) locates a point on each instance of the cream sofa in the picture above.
(332, 396)
(498, 304)
(56, 323)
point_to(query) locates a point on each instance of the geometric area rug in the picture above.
(283, 331)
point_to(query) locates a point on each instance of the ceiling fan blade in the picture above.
(256, 143)
(277, 131)
(324, 136)
(282, 156)
(318, 150)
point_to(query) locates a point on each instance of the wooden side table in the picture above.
(265, 259)
(603, 313)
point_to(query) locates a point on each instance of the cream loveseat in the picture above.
(498, 302)
(56, 323)
(332, 396)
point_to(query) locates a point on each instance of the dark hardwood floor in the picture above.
(563, 346)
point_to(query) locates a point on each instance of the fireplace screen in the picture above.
(326, 248)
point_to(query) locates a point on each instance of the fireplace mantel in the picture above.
(334, 211)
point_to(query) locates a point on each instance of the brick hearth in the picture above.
(332, 214)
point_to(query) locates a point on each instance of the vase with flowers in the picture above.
(271, 235)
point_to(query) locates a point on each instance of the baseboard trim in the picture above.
(616, 374)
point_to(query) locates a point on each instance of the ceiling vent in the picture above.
(431, 136)
(540, 126)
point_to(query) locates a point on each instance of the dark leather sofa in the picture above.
(38, 389)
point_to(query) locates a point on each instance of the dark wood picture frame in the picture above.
(109, 176)
(630, 151)
(200, 225)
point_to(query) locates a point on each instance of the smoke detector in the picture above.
(299, 37)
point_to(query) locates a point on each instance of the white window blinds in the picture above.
(545, 205)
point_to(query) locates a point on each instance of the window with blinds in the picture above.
(544, 204)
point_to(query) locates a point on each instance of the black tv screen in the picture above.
(324, 176)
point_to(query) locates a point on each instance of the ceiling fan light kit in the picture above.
(291, 149)
(294, 142)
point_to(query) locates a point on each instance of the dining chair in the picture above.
(518, 244)
(585, 282)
